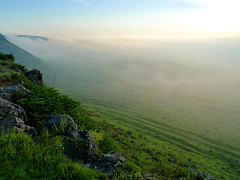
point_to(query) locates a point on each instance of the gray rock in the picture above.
(34, 75)
(7, 71)
(8, 108)
(56, 119)
(7, 92)
(83, 135)
(15, 124)
(149, 176)
(206, 175)
(149, 151)
(88, 150)
(107, 163)
(18, 71)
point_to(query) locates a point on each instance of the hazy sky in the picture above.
(80, 18)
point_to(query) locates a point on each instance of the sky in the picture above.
(72, 19)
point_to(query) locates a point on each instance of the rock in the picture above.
(6, 92)
(18, 71)
(83, 135)
(21, 82)
(149, 151)
(8, 108)
(206, 175)
(6, 71)
(34, 75)
(149, 176)
(88, 150)
(56, 119)
(107, 163)
(16, 124)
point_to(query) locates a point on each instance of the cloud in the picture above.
(80, 1)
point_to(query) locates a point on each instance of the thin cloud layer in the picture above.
(80, 1)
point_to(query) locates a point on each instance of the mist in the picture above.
(200, 63)
(197, 75)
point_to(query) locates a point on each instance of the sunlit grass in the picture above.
(23, 157)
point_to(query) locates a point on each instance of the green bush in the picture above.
(106, 145)
(47, 101)
(7, 56)
(15, 66)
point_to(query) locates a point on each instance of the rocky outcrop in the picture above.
(149, 176)
(206, 175)
(88, 150)
(83, 135)
(6, 71)
(6, 92)
(8, 108)
(15, 124)
(18, 71)
(55, 120)
(83, 145)
(34, 75)
(107, 163)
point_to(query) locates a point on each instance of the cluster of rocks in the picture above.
(206, 175)
(7, 92)
(18, 71)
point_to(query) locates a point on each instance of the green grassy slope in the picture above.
(198, 128)
(203, 129)
(23, 57)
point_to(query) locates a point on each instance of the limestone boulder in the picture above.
(59, 120)
(85, 147)
(107, 163)
(34, 75)
(8, 108)
(15, 124)
(6, 92)
(83, 135)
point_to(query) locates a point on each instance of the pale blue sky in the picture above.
(58, 18)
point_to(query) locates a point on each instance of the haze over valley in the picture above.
(167, 70)
(187, 74)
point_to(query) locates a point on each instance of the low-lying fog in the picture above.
(190, 60)
(185, 65)
(201, 74)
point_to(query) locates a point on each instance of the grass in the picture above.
(202, 128)
(198, 132)
(44, 156)
(24, 157)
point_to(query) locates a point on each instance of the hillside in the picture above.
(23, 57)
(137, 118)
(42, 102)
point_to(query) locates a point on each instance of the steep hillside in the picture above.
(23, 57)
(186, 128)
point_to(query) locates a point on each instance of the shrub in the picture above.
(106, 145)
(7, 56)
(98, 136)
(43, 102)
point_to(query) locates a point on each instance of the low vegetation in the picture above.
(44, 156)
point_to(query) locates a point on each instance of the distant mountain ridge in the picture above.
(23, 57)
(35, 38)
